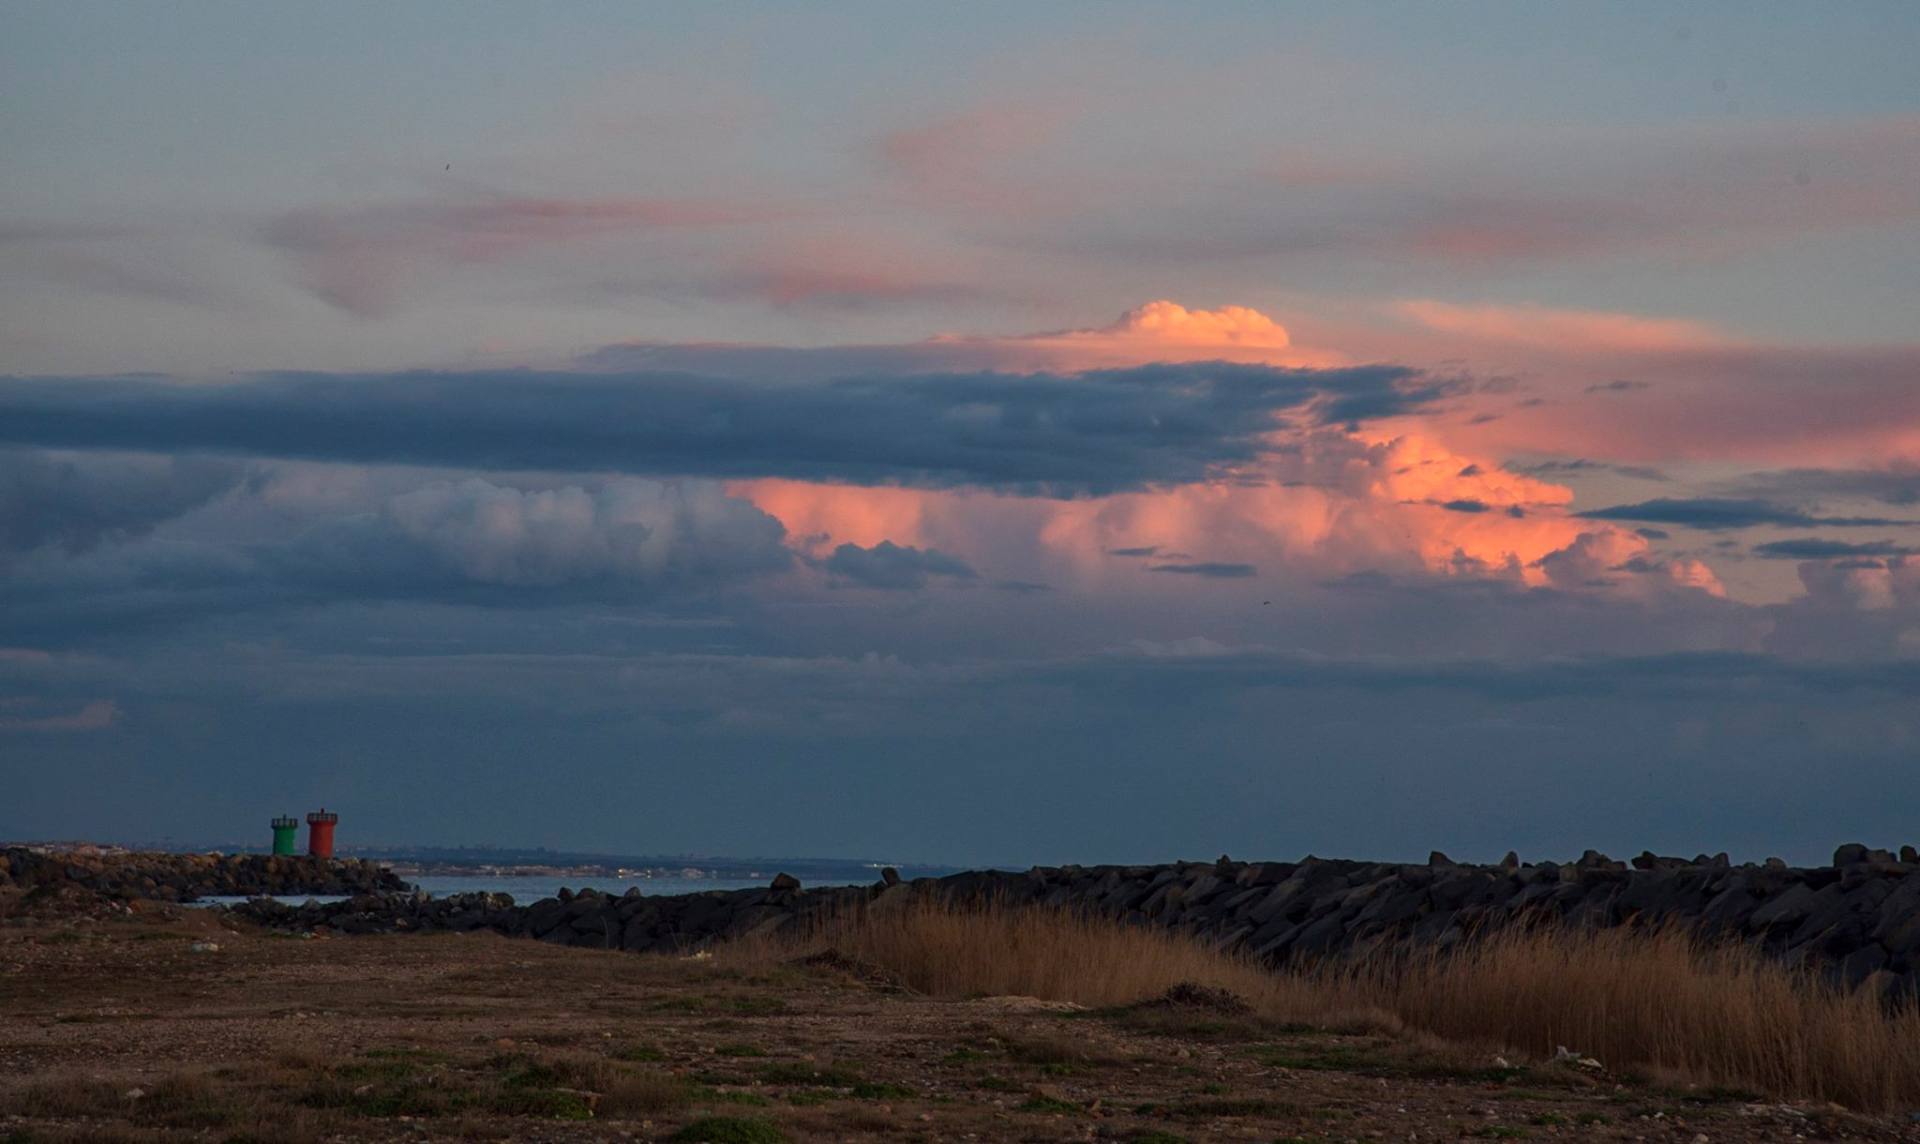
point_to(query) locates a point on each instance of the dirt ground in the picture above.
(130, 1029)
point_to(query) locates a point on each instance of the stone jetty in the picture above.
(1857, 919)
(145, 875)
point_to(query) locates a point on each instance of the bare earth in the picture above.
(121, 1030)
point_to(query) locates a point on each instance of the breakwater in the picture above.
(132, 875)
(1857, 919)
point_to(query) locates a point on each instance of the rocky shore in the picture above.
(129, 876)
(1857, 919)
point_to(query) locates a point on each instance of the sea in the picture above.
(527, 889)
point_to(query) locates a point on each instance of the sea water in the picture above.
(527, 889)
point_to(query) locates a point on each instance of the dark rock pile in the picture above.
(1858, 919)
(678, 923)
(183, 877)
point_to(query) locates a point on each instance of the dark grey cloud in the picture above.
(626, 536)
(1578, 465)
(465, 543)
(1888, 486)
(76, 503)
(1145, 550)
(1618, 385)
(1209, 568)
(895, 567)
(1466, 504)
(1728, 512)
(1813, 548)
(1021, 587)
(1096, 432)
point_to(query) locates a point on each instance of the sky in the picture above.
(988, 433)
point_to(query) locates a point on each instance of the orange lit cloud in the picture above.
(1340, 504)
(1327, 503)
(823, 515)
(1330, 505)
(1160, 331)
(1562, 329)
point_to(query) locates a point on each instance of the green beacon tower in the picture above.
(285, 828)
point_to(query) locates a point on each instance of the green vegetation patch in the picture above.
(648, 1054)
(1050, 1104)
(1378, 1059)
(829, 1076)
(406, 1098)
(546, 1103)
(729, 1130)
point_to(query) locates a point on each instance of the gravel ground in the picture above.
(132, 1028)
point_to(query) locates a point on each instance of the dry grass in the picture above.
(1719, 1014)
(1659, 1003)
(947, 951)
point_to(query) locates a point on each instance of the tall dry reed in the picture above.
(1722, 1014)
(1661, 1001)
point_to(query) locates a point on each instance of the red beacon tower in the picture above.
(320, 832)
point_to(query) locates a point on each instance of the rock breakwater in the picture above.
(127, 876)
(1858, 919)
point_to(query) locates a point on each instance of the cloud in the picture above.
(1811, 548)
(894, 567)
(625, 534)
(1621, 560)
(1562, 329)
(1581, 465)
(76, 503)
(1727, 512)
(1896, 486)
(1159, 331)
(360, 259)
(95, 715)
(1689, 191)
(960, 160)
(1092, 432)
(1819, 408)
(1213, 570)
(1143, 550)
